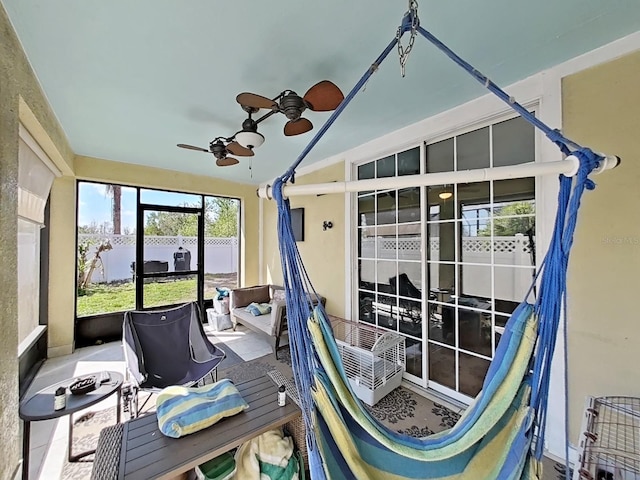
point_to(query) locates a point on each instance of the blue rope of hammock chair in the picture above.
(552, 291)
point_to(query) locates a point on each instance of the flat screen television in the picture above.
(297, 223)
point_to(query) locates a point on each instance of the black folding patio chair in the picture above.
(166, 347)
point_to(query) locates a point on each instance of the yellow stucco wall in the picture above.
(323, 252)
(600, 109)
(20, 100)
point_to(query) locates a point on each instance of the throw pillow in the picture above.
(185, 410)
(279, 296)
(258, 309)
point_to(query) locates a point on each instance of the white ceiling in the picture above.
(128, 80)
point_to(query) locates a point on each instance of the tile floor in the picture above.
(48, 445)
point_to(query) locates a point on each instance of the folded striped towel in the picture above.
(267, 457)
(185, 410)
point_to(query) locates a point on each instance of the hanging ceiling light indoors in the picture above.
(445, 193)
(249, 137)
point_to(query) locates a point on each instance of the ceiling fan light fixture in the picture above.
(249, 139)
(445, 195)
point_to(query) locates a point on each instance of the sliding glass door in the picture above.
(460, 256)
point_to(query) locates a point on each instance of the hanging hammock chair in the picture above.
(501, 435)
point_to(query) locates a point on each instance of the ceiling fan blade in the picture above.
(191, 147)
(226, 161)
(297, 127)
(236, 149)
(324, 96)
(255, 101)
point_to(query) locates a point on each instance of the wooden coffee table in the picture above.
(146, 453)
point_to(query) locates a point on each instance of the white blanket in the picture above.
(268, 456)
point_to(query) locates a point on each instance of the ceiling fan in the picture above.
(221, 147)
(324, 96)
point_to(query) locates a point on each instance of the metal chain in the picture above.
(403, 53)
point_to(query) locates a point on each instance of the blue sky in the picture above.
(94, 205)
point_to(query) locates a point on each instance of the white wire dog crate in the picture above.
(609, 446)
(374, 360)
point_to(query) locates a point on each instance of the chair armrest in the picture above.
(278, 311)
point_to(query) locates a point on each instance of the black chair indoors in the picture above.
(166, 347)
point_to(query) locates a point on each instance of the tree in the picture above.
(508, 227)
(171, 224)
(115, 191)
(221, 217)
(220, 220)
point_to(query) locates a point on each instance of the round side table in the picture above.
(40, 407)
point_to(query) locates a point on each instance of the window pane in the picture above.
(106, 248)
(387, 244)
(170, 199)
(386, 167)
(472, 373)
(409, 281)
(386, 273)
(474, 331)
(367, 242)
(367, 274)
(443, 241)
(442, 365)
(513, 142)
(221, 255)
(409, 162)
(475, 281)
(473, 150)
(366, 312)
(386, 202)
(366, 171)
(170, 242)
(408, 205)
(410, 316)
(440, 156)
(386, 309)
(366, 210)
(511, 286)
(414, 357)
(169, 291)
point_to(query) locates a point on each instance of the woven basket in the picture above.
(295, 428)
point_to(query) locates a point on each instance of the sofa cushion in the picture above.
(263, 322)
(244, 296)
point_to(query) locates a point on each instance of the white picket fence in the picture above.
(220, 254)
(511, 257)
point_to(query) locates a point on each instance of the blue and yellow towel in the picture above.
(257, 309)
(185, 410)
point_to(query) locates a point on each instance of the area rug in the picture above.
(402, 410)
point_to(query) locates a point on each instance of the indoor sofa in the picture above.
(272, 324)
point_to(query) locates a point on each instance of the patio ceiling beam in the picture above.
(568, 167)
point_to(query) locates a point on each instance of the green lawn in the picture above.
(103, 298)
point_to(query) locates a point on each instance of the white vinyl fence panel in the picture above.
(220, 254)
(511, 257)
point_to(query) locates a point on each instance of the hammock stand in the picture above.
(312, 350)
